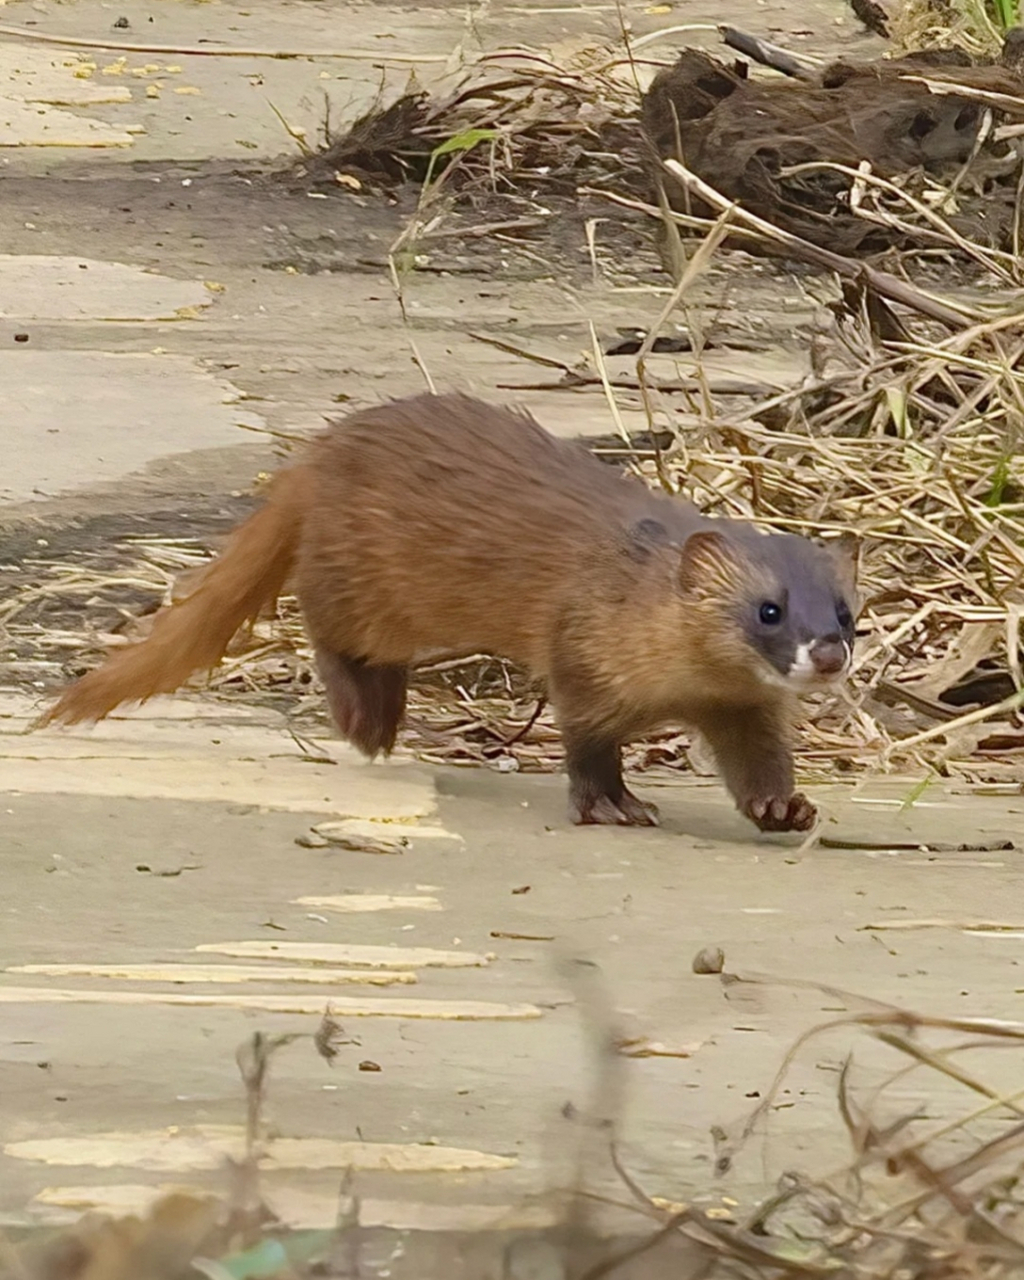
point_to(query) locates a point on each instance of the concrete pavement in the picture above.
(147, 857)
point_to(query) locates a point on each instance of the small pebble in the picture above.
(710, 960)
(312, 841)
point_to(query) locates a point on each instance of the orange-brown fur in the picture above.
(440, 525)
(194, 633)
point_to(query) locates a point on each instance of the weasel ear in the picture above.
(845, 553)
(703, 557)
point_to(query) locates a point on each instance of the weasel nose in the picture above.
(828, 655)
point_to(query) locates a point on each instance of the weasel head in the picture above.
(782, 606)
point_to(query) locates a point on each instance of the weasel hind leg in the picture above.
(366, 701)
(597, 792)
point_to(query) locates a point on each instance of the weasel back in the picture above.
(441, 524)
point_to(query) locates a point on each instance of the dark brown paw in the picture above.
(628, 811)
(795, 814)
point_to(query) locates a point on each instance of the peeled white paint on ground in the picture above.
(51, 287)
(346, 1006)
(32, 74)
(196, 762)
(357, 903)
(349, 831)
(151, 721)
(207, 1146)
(644, 1048)
(279, 785)
(983, 928)
(185, 750)
(183, 725)
(397, 1157)
(119, 1199)
(226, 973)
(340, 953)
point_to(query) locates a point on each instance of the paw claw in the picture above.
(629, 811)
(778, 814)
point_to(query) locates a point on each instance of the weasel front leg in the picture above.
(753, 755)
(597, 793)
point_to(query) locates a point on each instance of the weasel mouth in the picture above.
(819, 662)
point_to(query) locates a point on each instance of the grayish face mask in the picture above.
(801, 619)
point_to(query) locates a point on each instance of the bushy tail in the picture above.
(193, 634)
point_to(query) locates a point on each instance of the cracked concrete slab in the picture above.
(39, 286)
(80, 418)
(523, 887)
(185, 106)
(30, 124)
(37, 85)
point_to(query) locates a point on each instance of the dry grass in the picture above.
(911, 437)
(515, 121)
(927, 24)
(915, 450)
(931, 1192)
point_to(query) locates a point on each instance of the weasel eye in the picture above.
(771, 613)
(843, 616)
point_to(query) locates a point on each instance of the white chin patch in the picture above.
(802, 671)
